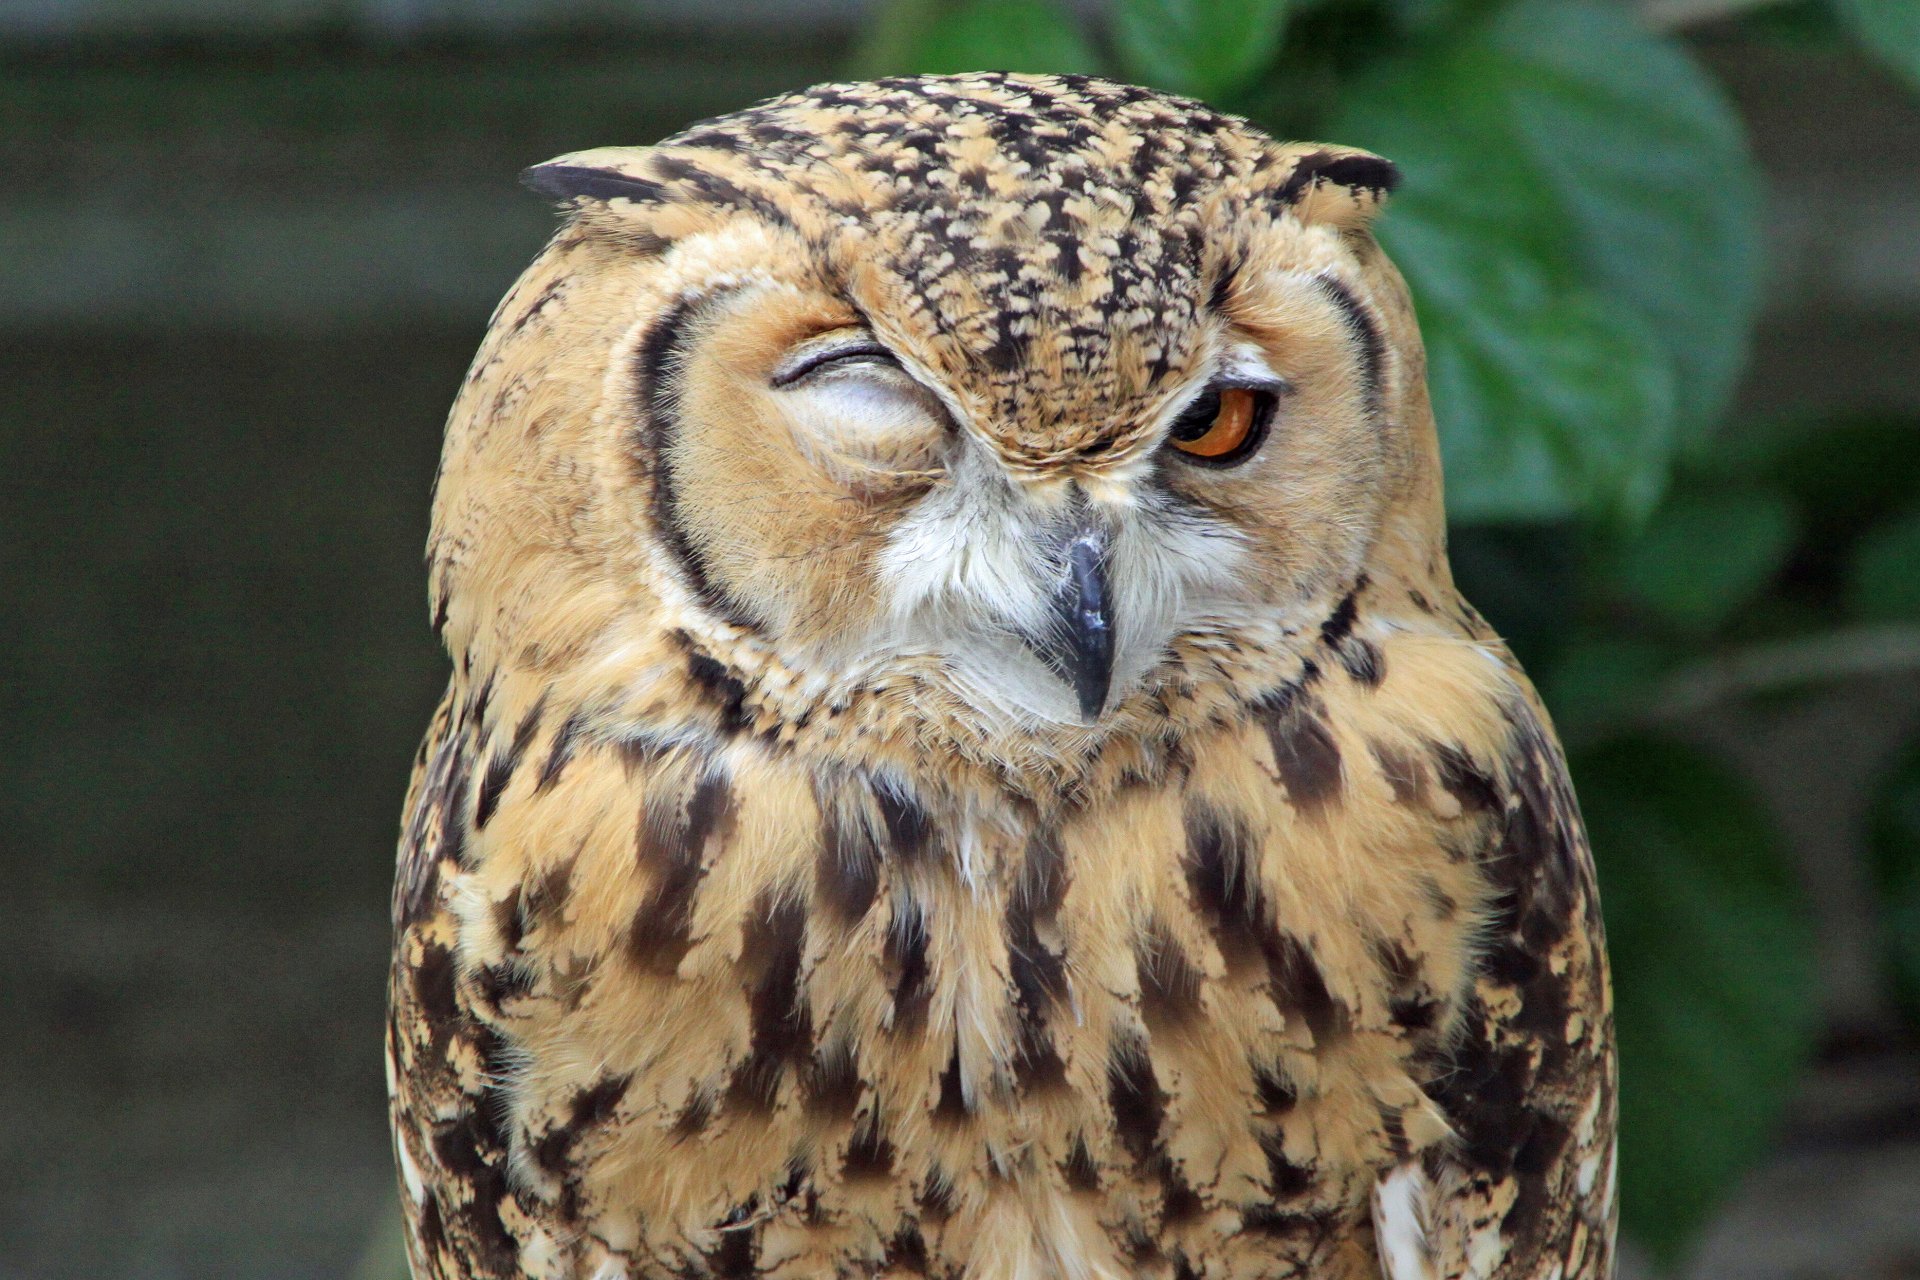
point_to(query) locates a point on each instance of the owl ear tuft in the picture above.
(602, 174)
(1338, 186)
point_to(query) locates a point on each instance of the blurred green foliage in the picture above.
(1713, 959)
(1210, 51)
(1580, 225)
(1890, 28)
(1896, 867)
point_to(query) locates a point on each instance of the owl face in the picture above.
(1011, 382)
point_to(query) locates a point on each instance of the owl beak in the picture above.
(1082, 649)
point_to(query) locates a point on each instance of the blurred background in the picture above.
(1667, 255)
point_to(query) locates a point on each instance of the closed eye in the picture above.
(847, 352)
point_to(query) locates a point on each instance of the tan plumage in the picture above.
(767, 903)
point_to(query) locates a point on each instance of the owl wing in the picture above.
(1528, 1080)
(442, 1059)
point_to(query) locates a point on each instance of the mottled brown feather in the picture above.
(708, 966)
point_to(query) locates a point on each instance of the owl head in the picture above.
(992, 395)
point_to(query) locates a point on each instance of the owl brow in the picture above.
(1366, 336)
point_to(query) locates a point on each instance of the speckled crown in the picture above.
(1057, 225)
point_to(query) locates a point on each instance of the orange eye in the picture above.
(1224, 426)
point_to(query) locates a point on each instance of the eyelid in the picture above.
(1241, 380)
(1235, 380)
(799, 364)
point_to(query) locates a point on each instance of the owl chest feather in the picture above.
(789, 1019)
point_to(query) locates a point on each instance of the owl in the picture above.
(964, 757)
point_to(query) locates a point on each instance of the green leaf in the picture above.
(1206, 48)
(1525, 579)
(1846, 476)
(1550, 404)
(1890, 28)
(1002, 35)
(1579, 225)
(1646, 155)
(1705, 554)
(890, 39)
(1883, 576)
(1714, 979)
(1846, 473)
(1894, 845)
(1425, 18)
(1598, 684)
